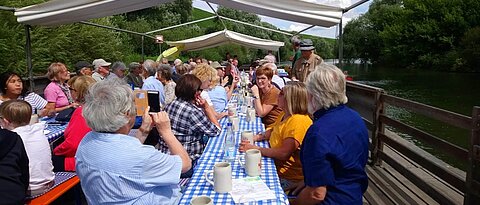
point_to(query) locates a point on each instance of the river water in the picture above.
(457, 92)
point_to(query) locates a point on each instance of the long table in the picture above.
(54, 131)
(213, 153)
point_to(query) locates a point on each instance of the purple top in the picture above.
(53, 93)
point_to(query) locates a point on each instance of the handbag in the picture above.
(65, 115)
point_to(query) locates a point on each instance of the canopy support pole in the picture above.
(143, 52)
(354, 5)
(218, 16)
(278, 54)
(184, 24)
(304, 30)
(256, 26)
(116, 29)
(340, 44)
(6, 8)
(28, 53)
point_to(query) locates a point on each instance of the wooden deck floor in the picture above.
(388, 186)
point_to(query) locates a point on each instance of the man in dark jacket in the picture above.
(14, 175)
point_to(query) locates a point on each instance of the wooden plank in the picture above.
(442, 115)
(431, 166)
(473, 169)
(411, 189)
(362, 87)
(56, 192)
(454, 150)
(374, 195)
(419, 181)
(391, 191)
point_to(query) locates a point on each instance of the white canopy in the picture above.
(57, 12)
(223, 37)
(293, 10)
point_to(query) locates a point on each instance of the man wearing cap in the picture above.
(101, 69)
(83, 68)
(307, 63)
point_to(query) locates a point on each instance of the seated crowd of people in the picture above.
(318, 144)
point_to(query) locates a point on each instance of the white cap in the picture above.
(100, 62)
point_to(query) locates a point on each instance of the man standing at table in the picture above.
(307, 63)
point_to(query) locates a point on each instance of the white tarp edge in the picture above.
(223, 37)
(58, 12)
(293, 10)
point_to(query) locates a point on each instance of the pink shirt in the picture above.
(53, 93)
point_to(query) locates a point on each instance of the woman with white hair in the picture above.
(334, 151)
(116, 168)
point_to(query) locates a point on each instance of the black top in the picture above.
(14, 175)
(230, 80)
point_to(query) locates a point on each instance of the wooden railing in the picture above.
(371, 103)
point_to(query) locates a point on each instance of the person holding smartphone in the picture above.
(121, 170)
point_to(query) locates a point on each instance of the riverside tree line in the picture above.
(427, 34)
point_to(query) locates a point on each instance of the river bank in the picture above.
(457, 92)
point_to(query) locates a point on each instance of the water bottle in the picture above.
(229, 145)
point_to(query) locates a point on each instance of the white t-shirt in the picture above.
(206, 97)
(280, 81)
(39, 156)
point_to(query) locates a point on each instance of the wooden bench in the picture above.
(56, 192)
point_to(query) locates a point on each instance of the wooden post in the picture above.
(472, 196)
(378, 127)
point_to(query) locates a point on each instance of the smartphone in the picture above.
(153, 101)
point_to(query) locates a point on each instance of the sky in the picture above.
(294, 26)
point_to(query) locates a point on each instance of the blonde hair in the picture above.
(81, 84)
(54, 69)
(215, 78)
(326, 84)
(295, 93)
(17, 112)
(204, 72)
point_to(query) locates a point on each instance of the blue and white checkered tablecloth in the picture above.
(55, 131)
(213, 153)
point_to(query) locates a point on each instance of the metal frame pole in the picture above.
(28, 53)
(340, 44)
(278, 54)
(143, 52)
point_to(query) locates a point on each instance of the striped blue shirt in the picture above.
(118, 169)
(36, 101)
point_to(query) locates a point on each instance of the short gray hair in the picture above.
(326, 85)
(295, 40)
(119, 65)
(134, 65)
(150, 66)
(108, 105)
